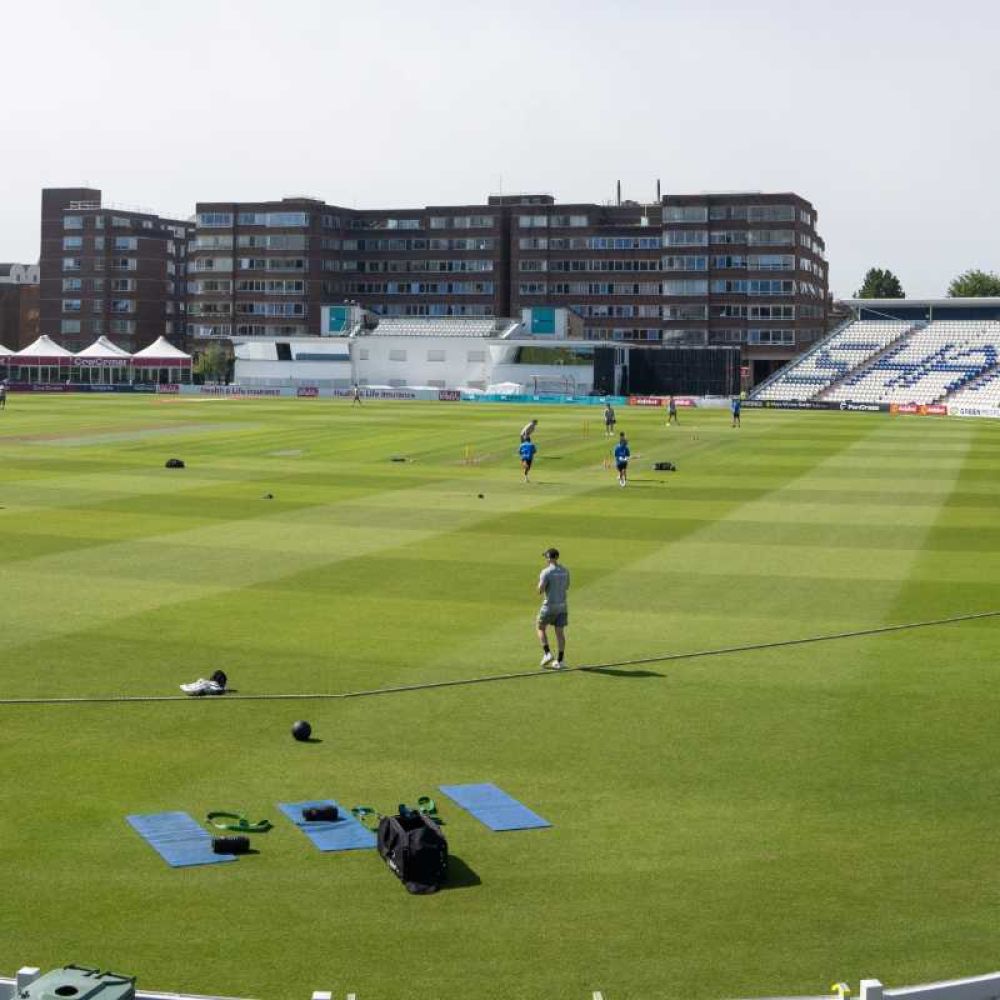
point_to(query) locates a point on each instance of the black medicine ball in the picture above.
(302, 730)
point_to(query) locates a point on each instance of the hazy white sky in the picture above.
(883, 115)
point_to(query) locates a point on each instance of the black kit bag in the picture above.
(414, 847)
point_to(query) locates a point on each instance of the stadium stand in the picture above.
(433, 327)
(932, 362)
(981, 391)
(832, 359)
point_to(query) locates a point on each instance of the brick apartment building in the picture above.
(742, 269)
(109, 271)
(687, 270)
(18, 305)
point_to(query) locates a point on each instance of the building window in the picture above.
(69, 326)
(397, 355)
(72, 242)
(533, 221)
(685, 213)
(71, 263)
(72, 284)
(685, 263)
(71, 305)
(685, 237)
(435, 355)
(72, 222)
(208, 220)
(685, 287)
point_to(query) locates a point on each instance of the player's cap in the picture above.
(551, 553)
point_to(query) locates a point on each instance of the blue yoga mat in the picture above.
(494, 807)
(177, 838)
(344, 834)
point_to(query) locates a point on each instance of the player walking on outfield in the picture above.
(527, 454)
(356, 396)
(527, 430)
(609, 420)
(3, 395)
(671, 411)
(736, 406)
(553, 584)
(622, 455)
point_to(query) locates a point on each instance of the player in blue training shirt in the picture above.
(622, 455)
(527, 453)
(736, 411)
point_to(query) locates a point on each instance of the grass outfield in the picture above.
(755, 823)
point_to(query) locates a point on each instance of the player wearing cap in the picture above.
(553, 585)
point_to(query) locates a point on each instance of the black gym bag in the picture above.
(414, 847)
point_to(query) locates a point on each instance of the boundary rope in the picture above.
(460, 682)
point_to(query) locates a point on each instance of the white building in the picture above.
(538, 353)
(19, 274)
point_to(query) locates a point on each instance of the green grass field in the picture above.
(755, 823)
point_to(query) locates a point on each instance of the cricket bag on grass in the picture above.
(414, 847)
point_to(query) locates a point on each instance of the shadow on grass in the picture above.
(619, 672)
(460, 875)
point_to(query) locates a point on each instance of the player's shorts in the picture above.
(526, 462)
(621, 466)
(546, 616)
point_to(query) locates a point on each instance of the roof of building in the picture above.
(434, 326)
(44, 347)
(161, 348)
(103, 348)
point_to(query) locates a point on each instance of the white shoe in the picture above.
(201, 686)
(547, 659)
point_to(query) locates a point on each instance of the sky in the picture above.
(881, 115)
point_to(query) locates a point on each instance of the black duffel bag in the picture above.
(414, 847)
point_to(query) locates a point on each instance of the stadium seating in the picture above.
(983, 391)
(434, 327)
(932, 362)
(831, 359)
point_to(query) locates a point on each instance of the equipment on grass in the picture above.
(80, 981)
(302, 731)
(413, 846)
(231, 845)
(664, 467)
(203, 686)
(345, 833)
(237, 822)
(321, 814)
(174, 463)
(494, 807)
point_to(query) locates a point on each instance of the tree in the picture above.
(213, 363)
(880, 284)
(974, 284)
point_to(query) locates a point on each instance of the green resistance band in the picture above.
(370, 817)
(237, 822)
